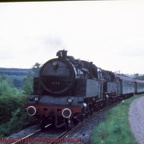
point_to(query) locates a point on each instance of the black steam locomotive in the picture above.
(68, 90)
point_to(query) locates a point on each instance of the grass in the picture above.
(115, 128)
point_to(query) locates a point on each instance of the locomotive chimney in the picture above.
(62, 54)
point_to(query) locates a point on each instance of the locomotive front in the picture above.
(53, 96)
(57, 76)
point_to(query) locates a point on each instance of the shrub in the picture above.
(13, 116)
(18, 121)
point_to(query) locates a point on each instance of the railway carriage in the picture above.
(127, 86)
(139, 86)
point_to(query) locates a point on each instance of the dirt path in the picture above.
(136, 119)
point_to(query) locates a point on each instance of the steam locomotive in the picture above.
(68, 90)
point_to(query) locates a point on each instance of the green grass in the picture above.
(115, 128)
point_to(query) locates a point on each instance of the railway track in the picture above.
(22, 140)
(66, 138)
(61, 137)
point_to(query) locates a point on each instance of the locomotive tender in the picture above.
(68, 90)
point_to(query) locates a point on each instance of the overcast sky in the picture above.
(109, 33)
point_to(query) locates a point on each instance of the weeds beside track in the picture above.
(115, 128)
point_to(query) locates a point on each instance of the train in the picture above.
(68, 90)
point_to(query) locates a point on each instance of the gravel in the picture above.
(136, 119)
(19, 135)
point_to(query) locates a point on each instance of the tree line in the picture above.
(138, 76)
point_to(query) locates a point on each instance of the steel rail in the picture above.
(21, 140)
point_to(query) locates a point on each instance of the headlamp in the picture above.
(36, 98)
(69, 100)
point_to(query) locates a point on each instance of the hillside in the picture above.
(14, 71)
(15, 75)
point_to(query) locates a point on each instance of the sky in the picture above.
(108, 33)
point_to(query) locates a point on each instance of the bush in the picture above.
(10, 104)
(18, 121)
(13, 116)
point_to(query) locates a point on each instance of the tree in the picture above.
(28, 81)
(28, 84)
(36, 69)
(136, 76)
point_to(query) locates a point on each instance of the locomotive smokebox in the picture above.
(62, 53)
